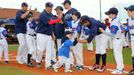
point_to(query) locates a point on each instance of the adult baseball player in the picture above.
(20, 30)
(44, 35)
(130, 11)
(101, 42)
(3, 43)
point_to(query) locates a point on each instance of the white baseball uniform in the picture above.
(31, 39)
(3, 44)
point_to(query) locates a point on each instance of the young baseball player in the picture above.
(3, 43)
(130, 11)
(64, 53)
(30, 39)
(117, 39)
(101, 40)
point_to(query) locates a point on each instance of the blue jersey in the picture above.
(3, 33)
(20, 24)
(43, 26)
(94, 28)
(65, 48)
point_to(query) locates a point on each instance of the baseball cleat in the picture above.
(20, 62)
(55, 70)
(30, 65)
(102, 69)
(49, 68)
(131, 72)
(117, 72)
(38, 65)
(69, 71)
(94, 67)
(6, 62)
(79, 67)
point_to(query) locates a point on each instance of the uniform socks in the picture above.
(133, 62)
(97, 59)
(104, 59)
(29, 58)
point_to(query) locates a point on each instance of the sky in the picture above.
(86, 7)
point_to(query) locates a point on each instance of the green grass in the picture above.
(13, 47)
(5, 70)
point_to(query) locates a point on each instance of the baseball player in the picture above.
(30, 39)
(64, 53)
(130, 11)
(68, 17)
(20, 30)
(117, 38)
(101, 40)
(59, 27)
(44, 35)
(3, 43)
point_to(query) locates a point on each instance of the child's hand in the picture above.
(102, 30)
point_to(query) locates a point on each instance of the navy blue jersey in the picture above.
(68, 14)
(94, 28)
(59, 29)
(20, 24)
(43, 26)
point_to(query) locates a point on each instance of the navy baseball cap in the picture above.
(24, 4)
(66, 1)
(130, 8)
(112, 10)
(68, 32)
(48, 4)
(78, 14)
(59, 8)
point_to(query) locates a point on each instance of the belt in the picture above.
(32, 34)
(1, 38)
(132, 34)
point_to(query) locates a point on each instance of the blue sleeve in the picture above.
(93, 33)
(5, 33)
(18, 15)
(45, 19)
(69, 43)
(69, 23)
(79, 28)
(114, 29)
(87, 30)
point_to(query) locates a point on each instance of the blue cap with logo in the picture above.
(130, 8)
(49, 4)
(112, 10)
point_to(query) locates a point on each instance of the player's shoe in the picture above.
(117, 72)
(131, 72)
(102, 69)
(49, 68)
(55, 69)
(79, 67)
(38, 65)
(94, 67)
(68, 71)
(20, 62)
(30, 65)
(6, 62)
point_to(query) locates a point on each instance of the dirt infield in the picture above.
(88, 61)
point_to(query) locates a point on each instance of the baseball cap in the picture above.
(59, 8)
(131, 8)
(112, 10)
(49, 4)
(24, 4)
(68, 32)
(66, 1)
(78, 14)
